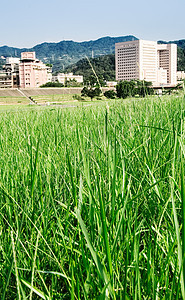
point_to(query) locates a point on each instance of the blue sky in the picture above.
(27, 23)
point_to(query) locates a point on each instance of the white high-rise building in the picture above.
(146, 60)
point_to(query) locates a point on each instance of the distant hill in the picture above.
(67, 52)
(104, 66)
(180, 43)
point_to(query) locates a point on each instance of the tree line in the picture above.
(123, 90)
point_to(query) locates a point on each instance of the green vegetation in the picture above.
(65, 53)
(49, 65)
(13, 100)
(72, 83)
(180, 59)
(53, 98)
(104, 66)
(65, 99)
(132, 88)
(60, 99)
(92, 202)
(111, 94)
(2, 62)
(52, 84)
(91, 92)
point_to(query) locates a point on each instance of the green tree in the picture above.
(131, 88)
(91, 92)
(104, 66)
(52, 84)
(72, 83)
(144, 88)
(49, 65)
(110, 94)
(125, 89)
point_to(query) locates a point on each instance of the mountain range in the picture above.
(65, 53)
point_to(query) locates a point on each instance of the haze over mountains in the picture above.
(65, 53)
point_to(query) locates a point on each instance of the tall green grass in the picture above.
(92, 201)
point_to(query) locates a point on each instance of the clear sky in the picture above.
(31, 22)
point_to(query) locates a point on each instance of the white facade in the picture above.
(146, 60)
(167, 59)
(62, 77)
(111, 83)
(9, 77)
(162, 76)
(12, 60)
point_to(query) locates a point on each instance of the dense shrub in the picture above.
(91, 92)
(132, 88)
(52, 84)
(111, 94)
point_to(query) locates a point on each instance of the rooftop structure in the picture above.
(146, 60)
(28, 56)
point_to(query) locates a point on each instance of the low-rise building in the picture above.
(62, 77)
(9, 77)
(111, 83)
(5, 80)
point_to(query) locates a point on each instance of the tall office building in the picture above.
(146, 60)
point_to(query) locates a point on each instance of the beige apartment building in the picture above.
(32, 72)
(146, 60)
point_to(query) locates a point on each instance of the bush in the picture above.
(78, 97)
(111, 94)
(91, 92)
(132, 88)
(126, 89)
(72, 83)
(52, 84)
(144, 88)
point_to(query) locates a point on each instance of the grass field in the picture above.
(55, 98)
(13, 101)
(63, 99)
(92, 201)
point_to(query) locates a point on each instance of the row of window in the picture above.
(126, 77)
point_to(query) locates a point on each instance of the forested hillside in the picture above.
(104, 66)
(65, 53)
(72, 54)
